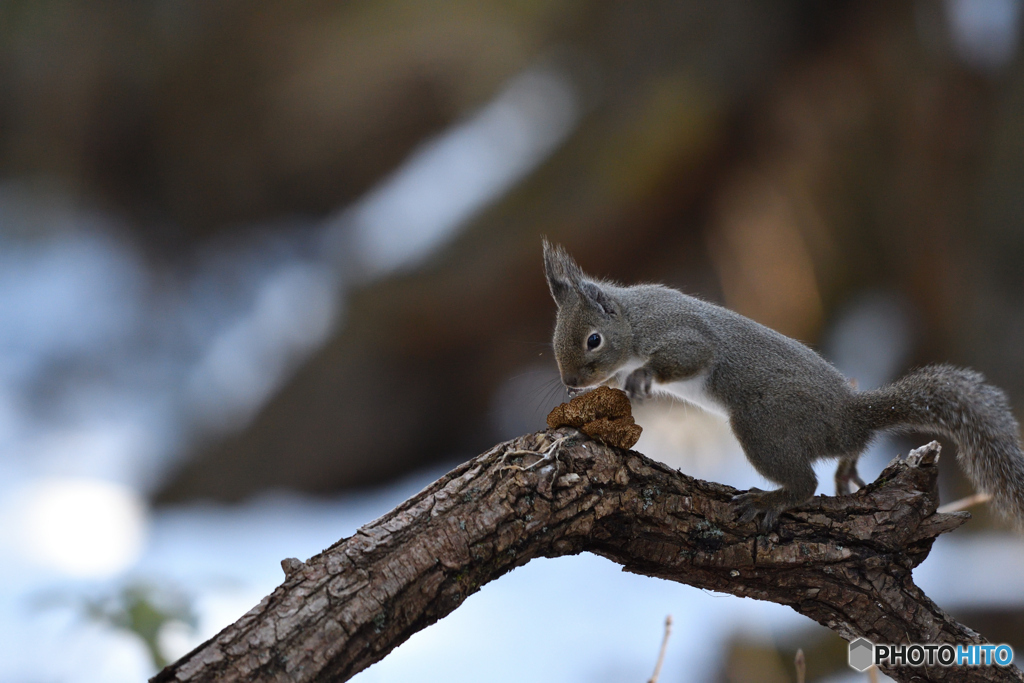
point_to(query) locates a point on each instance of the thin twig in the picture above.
(872, 674)
(801, 666)
(964, 503)
(551, 453)
(664, 646)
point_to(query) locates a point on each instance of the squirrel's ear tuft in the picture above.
(564, 276)
(599, 299)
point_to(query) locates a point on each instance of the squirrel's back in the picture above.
(775, 389)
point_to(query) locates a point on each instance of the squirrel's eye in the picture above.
(593, 341)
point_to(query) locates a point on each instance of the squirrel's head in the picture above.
(592, 336)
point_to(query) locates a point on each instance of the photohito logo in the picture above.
(864, 653)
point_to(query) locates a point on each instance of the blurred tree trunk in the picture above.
(421, 355)
(774, 157)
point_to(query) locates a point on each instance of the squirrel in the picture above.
(787, 406)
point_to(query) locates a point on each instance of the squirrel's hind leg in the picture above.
(788, 464)
(846, 473)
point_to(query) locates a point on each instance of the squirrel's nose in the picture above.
(571, 382)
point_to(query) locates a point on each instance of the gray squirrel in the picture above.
(786, 405)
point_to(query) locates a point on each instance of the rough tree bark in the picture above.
(844, 562)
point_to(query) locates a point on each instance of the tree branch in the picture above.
(844, 562)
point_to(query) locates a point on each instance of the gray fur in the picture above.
(787, 406)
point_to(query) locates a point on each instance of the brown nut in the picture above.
(603, 414)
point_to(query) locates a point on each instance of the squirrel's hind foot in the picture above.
(768, 504)
(846, 473)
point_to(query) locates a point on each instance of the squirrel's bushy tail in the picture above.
(957, 403)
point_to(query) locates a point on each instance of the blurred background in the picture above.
(268, 268)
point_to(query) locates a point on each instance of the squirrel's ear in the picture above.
(563, 275)
(599, 299)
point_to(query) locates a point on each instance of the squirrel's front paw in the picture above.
(638, 384)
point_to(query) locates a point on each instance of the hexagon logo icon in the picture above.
(862, 654)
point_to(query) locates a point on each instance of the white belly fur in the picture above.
(693, 390)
